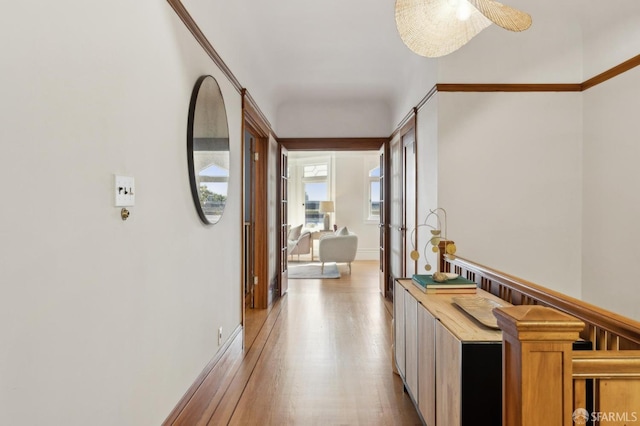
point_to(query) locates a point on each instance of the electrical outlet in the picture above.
(219, 336)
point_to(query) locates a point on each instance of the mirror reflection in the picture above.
(208, 149)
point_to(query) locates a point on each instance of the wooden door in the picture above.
(261, 224)
(256, 254)
(249, 234)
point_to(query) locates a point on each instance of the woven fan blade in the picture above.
(507, 17)
(430, 27)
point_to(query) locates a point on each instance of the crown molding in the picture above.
(193, 27)
(474, 87)
(258, 116)
(611, 73)
(568, 87)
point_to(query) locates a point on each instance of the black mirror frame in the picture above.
(190, 145)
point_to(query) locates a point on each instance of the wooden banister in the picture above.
(605, 329)
(537, 365)
(606, 365)
(614, 377)
(546, 381)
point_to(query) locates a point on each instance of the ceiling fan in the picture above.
(434, 28)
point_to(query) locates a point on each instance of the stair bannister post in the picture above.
(537, 383)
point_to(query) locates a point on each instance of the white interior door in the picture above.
(396, 219)
(402, 198)
(410, 199)
(382, 225)
(283, 193)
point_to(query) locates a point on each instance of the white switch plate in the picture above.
(125, 191)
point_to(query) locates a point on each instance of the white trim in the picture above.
(297, 161)
(369, 166)
(368, 254)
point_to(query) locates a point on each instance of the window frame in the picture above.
(370, 180)
(300, 164)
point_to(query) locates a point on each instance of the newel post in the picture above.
(537, 384)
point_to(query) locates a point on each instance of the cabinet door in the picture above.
(449, 377)
(411, 344)
(427, 363)
(398, 320)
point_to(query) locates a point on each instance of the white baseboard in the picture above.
(368, 254)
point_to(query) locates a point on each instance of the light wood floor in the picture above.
(320, 356)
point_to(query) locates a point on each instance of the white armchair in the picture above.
(340, 247)
(298, 241)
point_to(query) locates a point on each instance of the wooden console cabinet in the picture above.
(451, 364)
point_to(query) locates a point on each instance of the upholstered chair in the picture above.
(339, 247)
(298, 241)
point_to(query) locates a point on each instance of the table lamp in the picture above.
(326, 207)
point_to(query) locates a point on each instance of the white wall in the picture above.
(611, 37)
(417, 81)
(352, 197)
(333, 119)
(106, 322)
(550, 51)
(611, 205)
(509, 176)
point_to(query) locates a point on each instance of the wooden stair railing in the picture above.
(537, 343)
(545, 380)
(615, 380)
(606, 330)
(540, 365)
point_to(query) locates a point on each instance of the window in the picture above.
(316, 189)
(315, 171)
(374, 194)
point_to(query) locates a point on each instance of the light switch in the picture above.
(125, 191)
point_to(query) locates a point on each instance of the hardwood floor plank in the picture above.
(327, 360)
(228, 405)
(206, 399)
(320, 356)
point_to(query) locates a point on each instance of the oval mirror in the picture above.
(208, 149)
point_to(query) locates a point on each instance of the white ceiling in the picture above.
(300, 52)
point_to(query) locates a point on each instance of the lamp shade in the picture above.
(326, 207)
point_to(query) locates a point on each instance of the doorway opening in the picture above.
(348, 182)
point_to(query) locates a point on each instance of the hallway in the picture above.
(322, 356)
